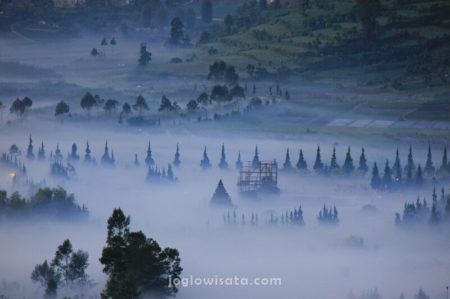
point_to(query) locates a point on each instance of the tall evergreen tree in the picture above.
(318, 165)
(287, 162)
(397, 168)
(170, 175)
(30, 154)
(176, 159)
(73, 156)
(106, 158)
(301, 163)
(239, 163)
(87, 156)
(387, 177)
(149, 159)
(255, 162)
(444, 166)
(363, 162)
(419, 176)
(333, 163)
(429, 168)
(409, 174)
(41, 152)
(410, 163)
(348, 163)
(376, 180)
(223, 161)
(204, 163)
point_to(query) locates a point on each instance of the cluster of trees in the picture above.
(155, 174)
(10, 161)
(104, 43)
(67, 270)
(411, 175)
(221, 71)
(294, 217)
(231, 218)
(49, 203)
(136, 265)
(419, 212)
(178, 37)
(58, 170)
(328, 215)
(333, 168)
(20, 107)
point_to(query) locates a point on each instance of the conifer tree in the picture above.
(435, 216)
(419, 176)
(409, 174)
(255, 162)
(444, 166)
(387, 177)
(223, 161)
(301, 163)
(333, 163)
(30, 154)
(375, 181)
(363, 162)
(87, 156)
(58, 156)
(429, 168)
(239, 164)
(149, 159)
(74, 157)
(41, 152)
(106, 159)
(397, 168)
(204, 163)
(176, 159)
(410, 163)
(348, 163)
(287, 162)
(318, 165)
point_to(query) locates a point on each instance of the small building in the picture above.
(221, 196)
(259, 178)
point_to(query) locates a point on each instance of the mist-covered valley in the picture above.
(256, 181)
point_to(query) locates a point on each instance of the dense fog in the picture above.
(365, 252)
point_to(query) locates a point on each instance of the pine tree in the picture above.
(239, 164)
(375, 181)
(74, 157)
(204, 163)
(223, 161)
(442, 200)
(301, 164)
(106, 159)
(318, 165)
(176, 159)
(363, 162)
(410, 163)
(348, 163)
(435, 215)
(419, 176)
(58, 156)
(287, 162)
(41, 152)
(333, 164)
(255, 162)
(444, 166)
(149, 159)
(87, 156)
(397, 168)
(30, 154)
(429, 168)
(387, 177)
